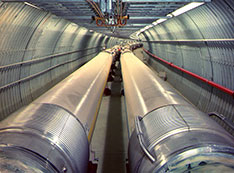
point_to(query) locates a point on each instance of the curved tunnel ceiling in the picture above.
(141, 12)
(202, 42)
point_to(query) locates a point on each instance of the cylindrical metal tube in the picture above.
(53, 133)
(81, 93)
(143, 91)
(171, 135)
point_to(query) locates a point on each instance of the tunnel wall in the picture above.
(34, 46)
(213, 60)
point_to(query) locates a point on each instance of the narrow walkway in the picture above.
(110, 140)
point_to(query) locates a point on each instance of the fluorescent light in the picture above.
(169, 15)
(154, 23)
(31, 5)
(147, 27)
(160, 20)
(186, 8)
(151, 25)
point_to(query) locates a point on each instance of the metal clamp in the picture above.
(223, 118)
(141, 140)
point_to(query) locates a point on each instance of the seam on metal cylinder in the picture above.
(97, 109)
(168, 105)
(181, 117)
(66, 111)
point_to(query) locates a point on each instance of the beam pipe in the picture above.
(170, 134)
(52, 134)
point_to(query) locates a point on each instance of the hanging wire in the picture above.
(121, 9)
(118, 8)
(98, 11)
(95, 7)
(102, 18)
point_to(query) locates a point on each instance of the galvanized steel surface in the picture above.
(212, 60)
(28, 34)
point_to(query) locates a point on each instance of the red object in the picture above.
(92, 167)
(220, 87)
(107, 92)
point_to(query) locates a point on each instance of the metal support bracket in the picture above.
(223, 118)
(141, 139)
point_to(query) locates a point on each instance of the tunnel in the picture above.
(116, 85)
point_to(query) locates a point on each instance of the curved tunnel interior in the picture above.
(41, 44)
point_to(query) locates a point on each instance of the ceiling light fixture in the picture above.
(186, 8)
(177, 12)
(147, 27)
(31, 5)
(160, 20)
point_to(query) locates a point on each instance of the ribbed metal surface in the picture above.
(27, 33)
(55, 134)
(212, 60)
(14, 39)
(144, 91)
(57, 127)
(175, 119)
(170, 131)
(166, 120)
(82, 96)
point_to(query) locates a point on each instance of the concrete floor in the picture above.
(110, 138)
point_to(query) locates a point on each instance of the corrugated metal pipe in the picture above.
(220, 87)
